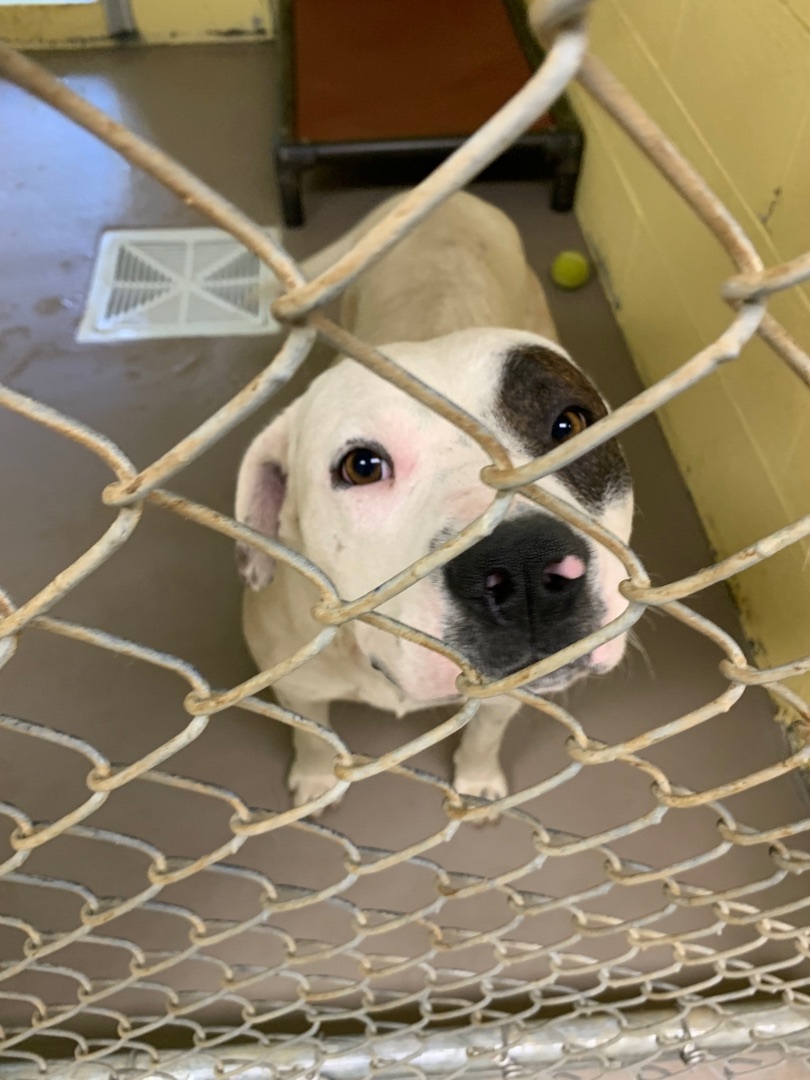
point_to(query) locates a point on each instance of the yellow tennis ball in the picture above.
(570, 270)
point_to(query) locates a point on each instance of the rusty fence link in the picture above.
(699, 1000)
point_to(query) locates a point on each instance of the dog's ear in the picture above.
(260, 490)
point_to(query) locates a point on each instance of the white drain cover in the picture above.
(161, 283)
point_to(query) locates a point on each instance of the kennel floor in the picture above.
(173, 586)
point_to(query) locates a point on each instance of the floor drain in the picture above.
(162, 283)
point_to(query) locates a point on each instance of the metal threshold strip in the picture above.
(508, 1050)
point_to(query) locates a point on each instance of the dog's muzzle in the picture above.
(522, 594)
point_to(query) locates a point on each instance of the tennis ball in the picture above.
(570, 270)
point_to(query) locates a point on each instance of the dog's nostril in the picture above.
(558, 576)
(498, 587)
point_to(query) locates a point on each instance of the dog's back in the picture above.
(463, 267)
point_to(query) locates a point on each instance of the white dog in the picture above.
(364, 480)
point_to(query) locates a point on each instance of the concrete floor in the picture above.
(173, 587)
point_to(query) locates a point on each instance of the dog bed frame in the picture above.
(406, 81)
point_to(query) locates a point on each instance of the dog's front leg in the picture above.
(311, 773)
(477, 768)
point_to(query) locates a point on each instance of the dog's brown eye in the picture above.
(569, 423)
(363, 465)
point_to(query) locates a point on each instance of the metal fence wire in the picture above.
(333, 999)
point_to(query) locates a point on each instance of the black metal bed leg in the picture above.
(289, 191)
(565, 177)
(563, 189)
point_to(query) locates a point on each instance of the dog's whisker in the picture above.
(635, 642)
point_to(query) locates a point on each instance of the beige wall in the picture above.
(729, 81)
(159, 21)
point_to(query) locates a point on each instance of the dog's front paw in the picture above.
(308, 784)
(488, 783)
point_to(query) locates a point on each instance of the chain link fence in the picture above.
(331, 997)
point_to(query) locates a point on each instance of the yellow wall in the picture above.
(46, 25)
(201, 20)
(729, 81)
(159, 21)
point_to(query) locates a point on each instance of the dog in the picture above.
(363, 480)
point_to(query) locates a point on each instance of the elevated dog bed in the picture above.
(408, 81)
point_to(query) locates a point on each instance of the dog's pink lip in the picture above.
(604, 658)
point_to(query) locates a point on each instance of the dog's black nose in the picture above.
(526, 577)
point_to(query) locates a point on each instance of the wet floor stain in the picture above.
(51, 305)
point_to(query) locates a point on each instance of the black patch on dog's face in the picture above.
(537, 385)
